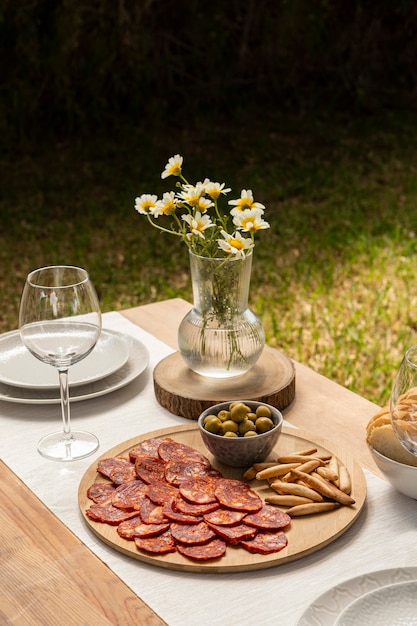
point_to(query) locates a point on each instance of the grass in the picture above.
(334, 279)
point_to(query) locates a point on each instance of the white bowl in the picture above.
(402, 477)
(241, 451)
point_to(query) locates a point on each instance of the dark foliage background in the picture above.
(69, 65)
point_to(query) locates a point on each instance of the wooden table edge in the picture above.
(63, 553)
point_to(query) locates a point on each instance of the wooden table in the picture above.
(39, 555)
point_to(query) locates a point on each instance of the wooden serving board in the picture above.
(185, 393)
(305, 534)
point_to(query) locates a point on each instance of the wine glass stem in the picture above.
(65, 405)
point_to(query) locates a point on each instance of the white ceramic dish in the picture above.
(137, 362)
(19, 368)
(387, 606)
(327, 608)
(402, 477)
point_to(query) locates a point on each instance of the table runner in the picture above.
(382, 537)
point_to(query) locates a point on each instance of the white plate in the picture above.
(326, 609)
(18, 367)
(136, 363)
(387, 606)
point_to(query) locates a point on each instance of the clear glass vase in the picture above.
(220, 337)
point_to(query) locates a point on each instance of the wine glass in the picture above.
(403, 401)
(60, 323)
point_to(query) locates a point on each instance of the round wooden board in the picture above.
(305, 534)
(185, 393)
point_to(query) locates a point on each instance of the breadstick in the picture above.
(250, 474)
(345, 484)
(276, 470)
(261, 466)
(325, 488)
(310, 509)
(308, 452)
(328, 474)
(287, 500)
(297, 490)
(333, 466)
(296, 458)
(309, 466)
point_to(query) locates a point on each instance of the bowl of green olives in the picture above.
(240, 433)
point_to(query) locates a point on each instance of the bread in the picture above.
(384, 440)
(381, 437)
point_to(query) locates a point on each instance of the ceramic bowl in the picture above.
(402, 477)
(241, 451)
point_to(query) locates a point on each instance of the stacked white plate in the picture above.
(382, 598)
(116, 360)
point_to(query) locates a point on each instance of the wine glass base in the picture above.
(56, 447)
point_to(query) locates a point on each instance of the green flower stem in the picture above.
(165, 230)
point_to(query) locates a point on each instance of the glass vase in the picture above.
(221, 337)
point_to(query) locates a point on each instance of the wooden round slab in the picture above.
(185, 393)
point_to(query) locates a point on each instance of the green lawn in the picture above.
(334, 279)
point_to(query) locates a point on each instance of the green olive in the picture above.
(229, 426)
(246, 426)
(223, 415)
(263, 411)
(239, 412)
(209, 417)
(263, 424)
(213, 425)
(250, 433)
(229, 434)
(252, 416)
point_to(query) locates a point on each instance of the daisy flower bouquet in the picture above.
(196, 217)
(220, 337)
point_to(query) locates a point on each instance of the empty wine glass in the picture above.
(403, 402)
(60, 323)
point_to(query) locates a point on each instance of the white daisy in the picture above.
(250, 220)
(173, 167)
(146, 203)
(215, 189)
(166, 206)
(245, 201)
(235, 244)
(198, 223)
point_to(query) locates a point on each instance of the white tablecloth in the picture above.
(384, 535)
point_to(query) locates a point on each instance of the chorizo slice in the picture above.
(266, 542)
(213, 549)
(190, 508)
(176, 472)
(136, 528)
(101, 493)
(161, 544)
(118, 469)
(225, 517)
(199, 490)
(162, 492)
(234, 534)
(108, 514)
(268, 518)
(233, 494)
(176, 516)
(193, 534)
(150, 470)
(147, 448)
(129, 495)
(171, 450)
(151, 513)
